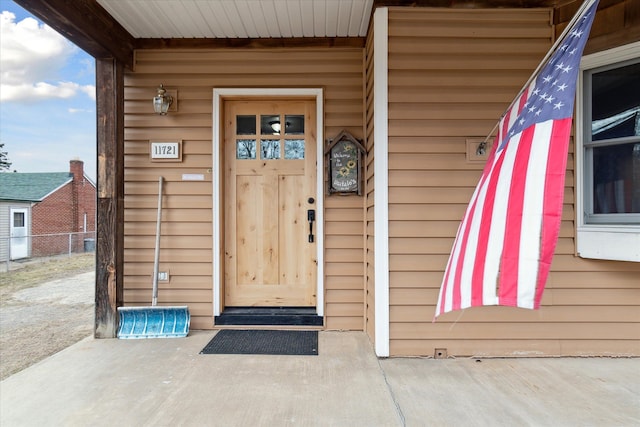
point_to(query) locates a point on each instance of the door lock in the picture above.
(311, 217)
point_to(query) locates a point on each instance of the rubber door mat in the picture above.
(235, 341)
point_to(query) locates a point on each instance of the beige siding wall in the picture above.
(452, 73)
(187, 229)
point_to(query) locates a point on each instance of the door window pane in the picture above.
(294, 149)
(245, 149)
(294, 124)
(270, 125)
(245, 125)
(270, 149)
(18, 219)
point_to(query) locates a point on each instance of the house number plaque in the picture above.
(166, 151)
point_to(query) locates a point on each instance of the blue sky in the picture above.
(47, 96)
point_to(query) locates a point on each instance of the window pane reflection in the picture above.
(294, 149)
(245, 125)
(245, 149)
(270, 125)
(616, 181)
(615, 103)
(294, 124)
(270, 149)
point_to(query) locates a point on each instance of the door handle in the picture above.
(311, 217)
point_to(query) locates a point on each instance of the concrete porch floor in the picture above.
(163, 382)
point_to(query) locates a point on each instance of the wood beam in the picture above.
(88, 25)
(257, 43)
(110, 206)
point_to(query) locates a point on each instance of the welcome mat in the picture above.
(235, 341)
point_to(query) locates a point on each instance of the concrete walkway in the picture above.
(166, 382)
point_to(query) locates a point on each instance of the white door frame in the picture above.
(218, 188)
(23, 237)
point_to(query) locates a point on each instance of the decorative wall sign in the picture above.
(166, 151)
(344, 156)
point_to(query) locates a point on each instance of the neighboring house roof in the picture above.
(31, 187)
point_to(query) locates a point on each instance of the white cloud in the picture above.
(32, 56)
(90, 90)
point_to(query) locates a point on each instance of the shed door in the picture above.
(270, 178)
(19, 236)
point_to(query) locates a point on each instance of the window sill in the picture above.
(616, 243)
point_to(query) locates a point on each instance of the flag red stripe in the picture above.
(508, 285)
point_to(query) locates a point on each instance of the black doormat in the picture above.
(235, 341)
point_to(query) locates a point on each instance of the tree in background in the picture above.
(5, 164)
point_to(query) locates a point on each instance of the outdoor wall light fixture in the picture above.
(162, 101)
(275, 126)
(482, 149)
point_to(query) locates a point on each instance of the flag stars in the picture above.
(558, 105)
(547, 79)
(567, 69)
(562, 87)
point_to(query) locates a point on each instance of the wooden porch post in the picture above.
(110, 207)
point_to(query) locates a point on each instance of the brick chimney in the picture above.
(76, 168)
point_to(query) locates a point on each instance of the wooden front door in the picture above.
(270, 187)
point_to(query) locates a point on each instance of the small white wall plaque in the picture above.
(166, 151)
(192, 177)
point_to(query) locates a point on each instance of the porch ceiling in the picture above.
(241, 18)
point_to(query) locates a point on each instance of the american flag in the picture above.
(506, 240)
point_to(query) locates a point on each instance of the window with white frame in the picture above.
(608, 155)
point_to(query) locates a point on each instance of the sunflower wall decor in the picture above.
(344, 155)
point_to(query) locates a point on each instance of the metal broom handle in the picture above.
(156, 258)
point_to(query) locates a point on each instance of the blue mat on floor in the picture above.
(235, 341)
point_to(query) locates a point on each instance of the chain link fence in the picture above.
(44, 245)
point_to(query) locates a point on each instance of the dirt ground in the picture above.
(45, 306)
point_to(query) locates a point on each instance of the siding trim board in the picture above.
(381, 180)
(219, 95)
